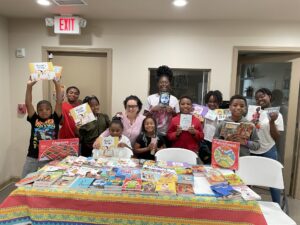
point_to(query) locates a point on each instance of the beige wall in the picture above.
(136, 47)
(5, 114)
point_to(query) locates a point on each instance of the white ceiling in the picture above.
(266, 10)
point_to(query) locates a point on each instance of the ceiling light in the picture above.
(180, 3)
(43, 2)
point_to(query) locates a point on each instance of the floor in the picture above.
(293, 204)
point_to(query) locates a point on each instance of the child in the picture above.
(115, 130)
(44, 125)
(149, 141)
(68, 128)
(238, 108)
(91, 131)
(189, 138)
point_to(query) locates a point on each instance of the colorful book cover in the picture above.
(198, 169)
(58, 149)
(185, 121)
(253, 113)
(225, 154)
(225, 191)
(200, 111)
(82, 114)
(47, 179)
(108, 143)
(220, 114)
(211, 115)
(30, 178)
(98, 183)
(229, 129)
(82, 182)
(184, 189)
(132, 185)
(247, 193)
(185, 179)
(233, 179)
(245, 130)
(58, 71)
(214, 176)
(63, 181)
(148, 188)
(164, 98)
(41, 71)
(165, 188)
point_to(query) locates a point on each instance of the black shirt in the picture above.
(144, 141)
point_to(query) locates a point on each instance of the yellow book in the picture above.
(41, 71)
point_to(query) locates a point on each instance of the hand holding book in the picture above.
(237, 138)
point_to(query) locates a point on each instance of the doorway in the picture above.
(279, 70)
(87, 69)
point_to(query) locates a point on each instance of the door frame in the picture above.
(289, 171)
(48, 49)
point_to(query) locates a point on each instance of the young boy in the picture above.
(68, 128)
(44, 125)
(238, 108)
(190, 138)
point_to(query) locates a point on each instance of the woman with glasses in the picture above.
(131, 118)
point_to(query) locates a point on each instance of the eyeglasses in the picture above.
(131, 106)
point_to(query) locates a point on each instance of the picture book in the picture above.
(200, 111)
(222, 113)
(98, 183)
(41, 71)
(29, 179)
(253, 113)
(225, 191)
(211, 115)
(229, 129)
(198, 169)
(164, 98)
(233, 179)
(108, 143)
(225, 154)
(58, 71)
(82, 114)
(58, 149)
(148, 188)
(172, 164)
(47, 179)
(63, 181)
(214, 176)
(184, 189)
(185, 179)
(209, 129)
(272, 109)
(185, 121)
(202, 187)
(82, 182)
(245, 130)
(247, 193)
(168, 188)
(132, 185)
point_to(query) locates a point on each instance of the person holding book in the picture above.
(44, 125)
(68, 128)
(270, 126)
(149, 141)
(185, 130)
(238, 108)
(90, 132)
(162, 105)
(213, 99)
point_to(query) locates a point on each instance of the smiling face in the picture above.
(132, 107)
(115, 130)
(212, 103)
(164, 84)
(263, 100)
(72, 95)
(149, 125)
(185, 105)
(237, 108)
(95, 106)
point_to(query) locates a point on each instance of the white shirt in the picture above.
(265, 139)
(162, 117)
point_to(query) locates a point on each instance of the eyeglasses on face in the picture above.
(131, 106)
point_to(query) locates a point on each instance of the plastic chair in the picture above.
(177, 155)
(123, 153)
(261, 171)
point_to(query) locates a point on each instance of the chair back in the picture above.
(177, 155)
(123, 153)
(260, 171)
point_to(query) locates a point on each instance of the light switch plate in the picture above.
(20, 52)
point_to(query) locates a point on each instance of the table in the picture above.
(75, 206)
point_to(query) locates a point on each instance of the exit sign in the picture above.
(66, 25)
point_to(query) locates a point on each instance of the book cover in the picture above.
(41, 71)
(247, 193)
(229, 129)
(185, 179)
(233, 179)
(47, 179)
(58, 71)
(198, 169)
(107, 144)
(99, 183)
(165, 188)
(202, 187)
(82, 182)
(185, 121)
(200, 111)
(225, 154)
(148, 188)
(184, 189)
(82, 114)
(58, 149)
(63, 181)
(132, 185)
(164, 98)
(220, 114)
(30, 178)
(214, 176)
(211, 115)
(253, 113)
(245, 130)
(225, 191)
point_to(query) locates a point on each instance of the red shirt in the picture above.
(68, 127)
(185, 139)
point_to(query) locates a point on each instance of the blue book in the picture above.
(224, 191)
(82, 182)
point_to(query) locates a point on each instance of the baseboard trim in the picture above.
(5, 184)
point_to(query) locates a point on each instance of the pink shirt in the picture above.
(131, 131)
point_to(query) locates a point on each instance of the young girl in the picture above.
(190, 138)
(90, 131)
(44, 125)
(238, 108)
(149, 141)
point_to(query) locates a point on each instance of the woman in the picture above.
(270, 125)
(162, 105)
(132, 119)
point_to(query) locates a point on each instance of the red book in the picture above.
(225, 154)
(58, 149)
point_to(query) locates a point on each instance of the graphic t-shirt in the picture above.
(42, 129)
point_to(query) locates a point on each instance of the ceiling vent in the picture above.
(70, 2)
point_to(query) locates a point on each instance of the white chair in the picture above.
(261, 171)
(123, 153)
(177, 155)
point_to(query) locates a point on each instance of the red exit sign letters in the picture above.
(66, 25)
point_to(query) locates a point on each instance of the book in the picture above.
(229, 129)
(233, 179)
(58, 149)
(82, 182)
(211, 115)
(185, 121)
(47, 179)
(82, 114)
(63, 181)
(107, 145)
(222, 114)
(148, 188)
(29, 179)
(202, 187)
(247, 193)
(58, 71)
(185, 179)
(41, 71)
(134, 185)
(166, 188)
(225, 191)
(214, 176)
(199, 111)
(197, 169)
(253, 113)
(184, 189)
(225, 154)
(243, 129)
(164, 98)
(98, 183)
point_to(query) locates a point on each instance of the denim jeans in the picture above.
(32, 165)
(272, 154)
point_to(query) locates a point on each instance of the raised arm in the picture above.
(59, 98)
(28, 98)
